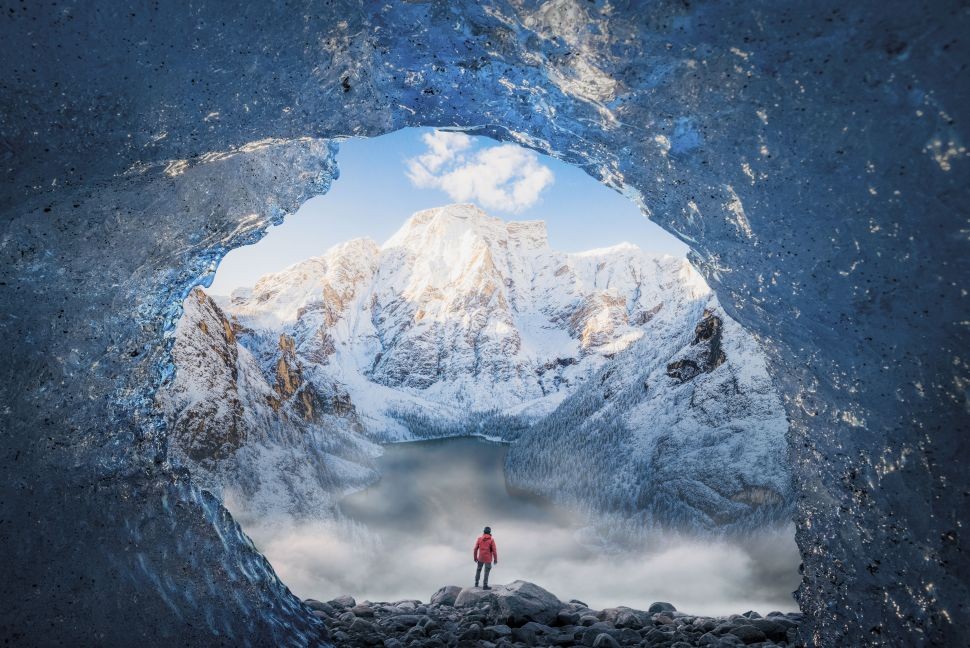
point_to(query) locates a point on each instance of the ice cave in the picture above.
(812, 155)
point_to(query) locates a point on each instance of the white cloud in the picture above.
(506, 177)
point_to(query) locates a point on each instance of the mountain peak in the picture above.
(450, 223)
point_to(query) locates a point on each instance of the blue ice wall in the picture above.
(812, 154)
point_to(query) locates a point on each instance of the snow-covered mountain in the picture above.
(612, 364)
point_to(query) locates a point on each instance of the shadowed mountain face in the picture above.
(615, 363)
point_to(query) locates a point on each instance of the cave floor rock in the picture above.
(524, 614)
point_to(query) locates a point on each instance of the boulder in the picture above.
(344, 601)
(514, 604)
(567, 617)
(524, 635)
(774, 630)
(629, 636)
(401, 622)
(414, 634)
(604, 640)
(363, 611)
(471, 596)
(472, 633)
(656, 636)
(748, 634)
(314, 604)
(562, 639)
(661, 606)
(628, 618)
(538, 628)
(446, 595)
(358, 626)
(594, 631)
(499, 631)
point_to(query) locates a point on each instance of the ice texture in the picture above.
(813, 155)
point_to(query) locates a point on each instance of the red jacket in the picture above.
(485, 550)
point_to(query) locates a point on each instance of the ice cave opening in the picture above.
(812, 155)
(384, 318)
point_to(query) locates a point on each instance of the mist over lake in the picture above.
(412, 532)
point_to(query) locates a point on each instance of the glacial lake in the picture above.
(413, 531)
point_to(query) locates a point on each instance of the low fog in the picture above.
(413, 532)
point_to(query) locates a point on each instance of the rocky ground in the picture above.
(524, 614)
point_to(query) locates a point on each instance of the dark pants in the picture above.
(478, 572)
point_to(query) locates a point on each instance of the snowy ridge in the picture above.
(462, 322)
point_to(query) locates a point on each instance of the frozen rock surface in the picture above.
(460, 325)
(812, 154)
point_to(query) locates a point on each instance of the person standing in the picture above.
(485, 554)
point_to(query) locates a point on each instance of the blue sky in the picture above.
(384, 180)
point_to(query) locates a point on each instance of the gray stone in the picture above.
(514, 604)
(562, 639)
(773, 629)
(524, 635)
(723, 628)
(628, 636)
(498, 631)
(705, 625)
(627, 618)
(595, 630)
(414, 634)
(538, 628)
(604, 640)
(314, 604)
(363, 611)
(359, 626)
(400, 622)
(344, 601)
(656, 635)
(566, 617)
(473, 632)
(446, 595)
(661, 606)
(728, 640)
(748, 634)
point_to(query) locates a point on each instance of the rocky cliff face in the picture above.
(262, 436)
(464, 323)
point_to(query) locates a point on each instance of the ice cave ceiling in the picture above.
(813, 155)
